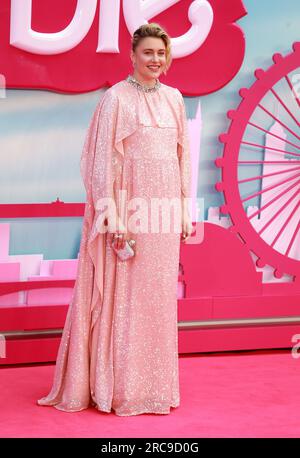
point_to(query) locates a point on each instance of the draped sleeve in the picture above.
(101, 167)
(183, 150)
(102, 157)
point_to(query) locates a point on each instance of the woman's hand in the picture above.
(120, 235)
(187, 226)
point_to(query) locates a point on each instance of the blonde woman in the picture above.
(119, 348)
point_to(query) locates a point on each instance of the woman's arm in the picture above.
(185, 168)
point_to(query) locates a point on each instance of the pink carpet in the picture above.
(240, 394)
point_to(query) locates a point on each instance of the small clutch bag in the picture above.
(127, 252)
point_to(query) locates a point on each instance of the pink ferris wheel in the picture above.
(260, 165)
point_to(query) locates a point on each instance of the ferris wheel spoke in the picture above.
(269, 148)
(292, 239)
(273, 135)
(269, 188)
(278, 120)
(278, 212)
(285, 106)
(285, 191)
(268, 162)
(292, 89)
(259, 177)
(285, 224)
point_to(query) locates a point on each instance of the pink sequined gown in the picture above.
(119, 348)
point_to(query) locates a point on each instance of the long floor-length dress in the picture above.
(119, 348)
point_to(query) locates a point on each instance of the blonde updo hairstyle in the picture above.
(153, 30)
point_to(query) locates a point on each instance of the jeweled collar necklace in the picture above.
(141, 86)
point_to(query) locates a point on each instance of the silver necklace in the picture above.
(141, 86)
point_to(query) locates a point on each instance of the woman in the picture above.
(119, 348)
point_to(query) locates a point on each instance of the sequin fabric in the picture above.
(119, 347)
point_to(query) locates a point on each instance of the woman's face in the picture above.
(149, 58)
